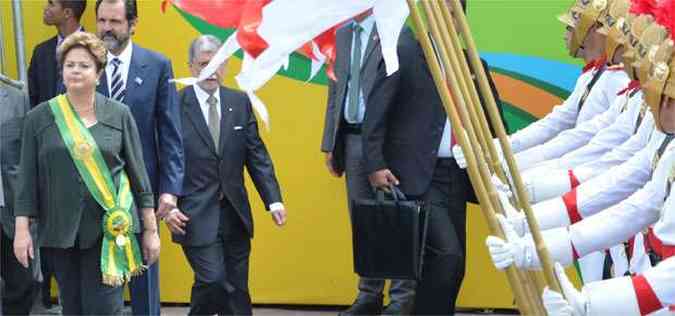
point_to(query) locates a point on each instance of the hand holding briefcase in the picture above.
(388, 236)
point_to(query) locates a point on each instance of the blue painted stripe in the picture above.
(555, 73)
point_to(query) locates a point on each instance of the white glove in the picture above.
(555, 304)
(505, 253)
(517, 219)
(576, 299)
(458, 154)
(500, 186)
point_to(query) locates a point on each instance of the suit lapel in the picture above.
(102, 87)
(194, 113)
(52, 70)
(136, 70)
(225, 118)
(371, 62)
(343, 60)
(373, 42)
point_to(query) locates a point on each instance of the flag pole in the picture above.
(448, 29)
(463, 141)
(542, 252)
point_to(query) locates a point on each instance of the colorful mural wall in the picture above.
(309, 261)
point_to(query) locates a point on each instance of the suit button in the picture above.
(433, 152)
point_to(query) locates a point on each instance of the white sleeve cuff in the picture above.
(276, 207)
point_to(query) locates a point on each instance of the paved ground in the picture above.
(180, 310)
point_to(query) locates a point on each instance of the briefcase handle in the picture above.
(394, 191)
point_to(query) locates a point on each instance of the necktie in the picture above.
(355, 76)
(214, 120)
(117, 90)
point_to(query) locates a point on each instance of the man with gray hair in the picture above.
(213, 221)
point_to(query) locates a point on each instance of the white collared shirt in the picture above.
(125, 59)
(202, 96)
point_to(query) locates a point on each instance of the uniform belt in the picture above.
(349, 128)
(656, 247)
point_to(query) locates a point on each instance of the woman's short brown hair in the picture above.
(87, 41)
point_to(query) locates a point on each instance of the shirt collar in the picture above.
(203, 95)
(125, 56)
(60, 38)
(367, 24)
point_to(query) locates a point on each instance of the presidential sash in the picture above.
(120, 254)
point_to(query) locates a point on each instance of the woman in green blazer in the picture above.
(83, 177)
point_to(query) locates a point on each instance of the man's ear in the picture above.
(132, 26)
(68, 13)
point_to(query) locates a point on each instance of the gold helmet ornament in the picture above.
(660, 82)
(645, 50)
(613, 26)
(592, 12)
(659, 85)
(571, 17)
(632, 34)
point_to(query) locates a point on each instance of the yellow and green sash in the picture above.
(120, 254)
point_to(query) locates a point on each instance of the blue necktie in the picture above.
(355, 76)
(117, 90)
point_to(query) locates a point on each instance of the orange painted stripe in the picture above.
(528, 98)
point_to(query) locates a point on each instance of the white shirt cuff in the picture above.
(276, 207)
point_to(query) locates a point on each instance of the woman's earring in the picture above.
(98, 82)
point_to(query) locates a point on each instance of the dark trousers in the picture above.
(82, 292)
(401, 291)
(19, 288)
(444, 260)
(221, 270)
(144, 290)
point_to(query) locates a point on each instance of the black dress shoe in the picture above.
(397, 309)
(364, 306)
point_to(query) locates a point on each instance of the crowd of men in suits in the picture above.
(379, 131)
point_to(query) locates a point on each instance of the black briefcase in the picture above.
(388, 236)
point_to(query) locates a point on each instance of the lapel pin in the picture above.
(139, 81)
(229, 109)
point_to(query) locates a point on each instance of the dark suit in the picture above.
(43, 72)
(153, 103)
(217, 240)
(402, 132)
(17, 296)
(345, 143)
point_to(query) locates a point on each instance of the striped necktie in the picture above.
(117, 90)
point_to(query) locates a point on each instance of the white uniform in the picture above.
(618, 223)
(601, 192)
(601, 100)
(553, 178)
(564, 116)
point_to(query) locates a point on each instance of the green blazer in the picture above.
(50, 187)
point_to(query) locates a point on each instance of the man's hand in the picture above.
(383, 179)
(167, 202)
(576, 299)
(23, 246)
(151, 245)
(279, 217)
(176, 221)
(507, 252)
(329, 165)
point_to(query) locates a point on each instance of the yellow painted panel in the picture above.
(309, 261)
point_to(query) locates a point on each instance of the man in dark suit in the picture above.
(214, 224)
(358, 59)
(44, 79)
(140, 78)
(18, 295)
(407, 142)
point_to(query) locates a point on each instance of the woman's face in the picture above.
(79, 71)
(667, 114)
